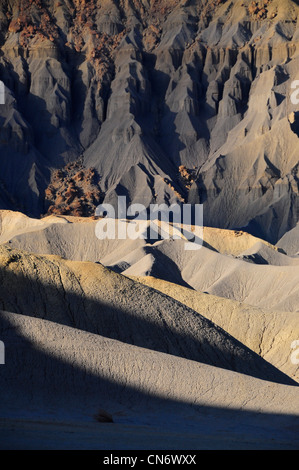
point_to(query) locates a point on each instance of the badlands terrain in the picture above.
(181, 350)
(142, 344)
(161, 101)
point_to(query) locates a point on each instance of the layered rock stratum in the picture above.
(169, 101)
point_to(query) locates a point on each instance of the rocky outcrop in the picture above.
(74, 190)
(141, 88)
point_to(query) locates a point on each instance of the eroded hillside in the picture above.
(139, 89)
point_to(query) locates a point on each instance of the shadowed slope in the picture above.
(58, 376)
(216, 268)
(91, 297)
(267, 332)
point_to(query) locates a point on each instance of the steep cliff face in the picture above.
(139, 89)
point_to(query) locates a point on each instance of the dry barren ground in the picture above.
(176, 367)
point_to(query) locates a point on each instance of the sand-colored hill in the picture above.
(290, 242)
(69, 373)
(121, 369)
(167, 101)
(272, 287)
(14, 223)
(260, 253)
(220, 267)
(122, 365)
(268, 333)
(90, 297)
(81, 336)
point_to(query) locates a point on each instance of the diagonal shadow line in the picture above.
(131, 313)
(60, 387)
